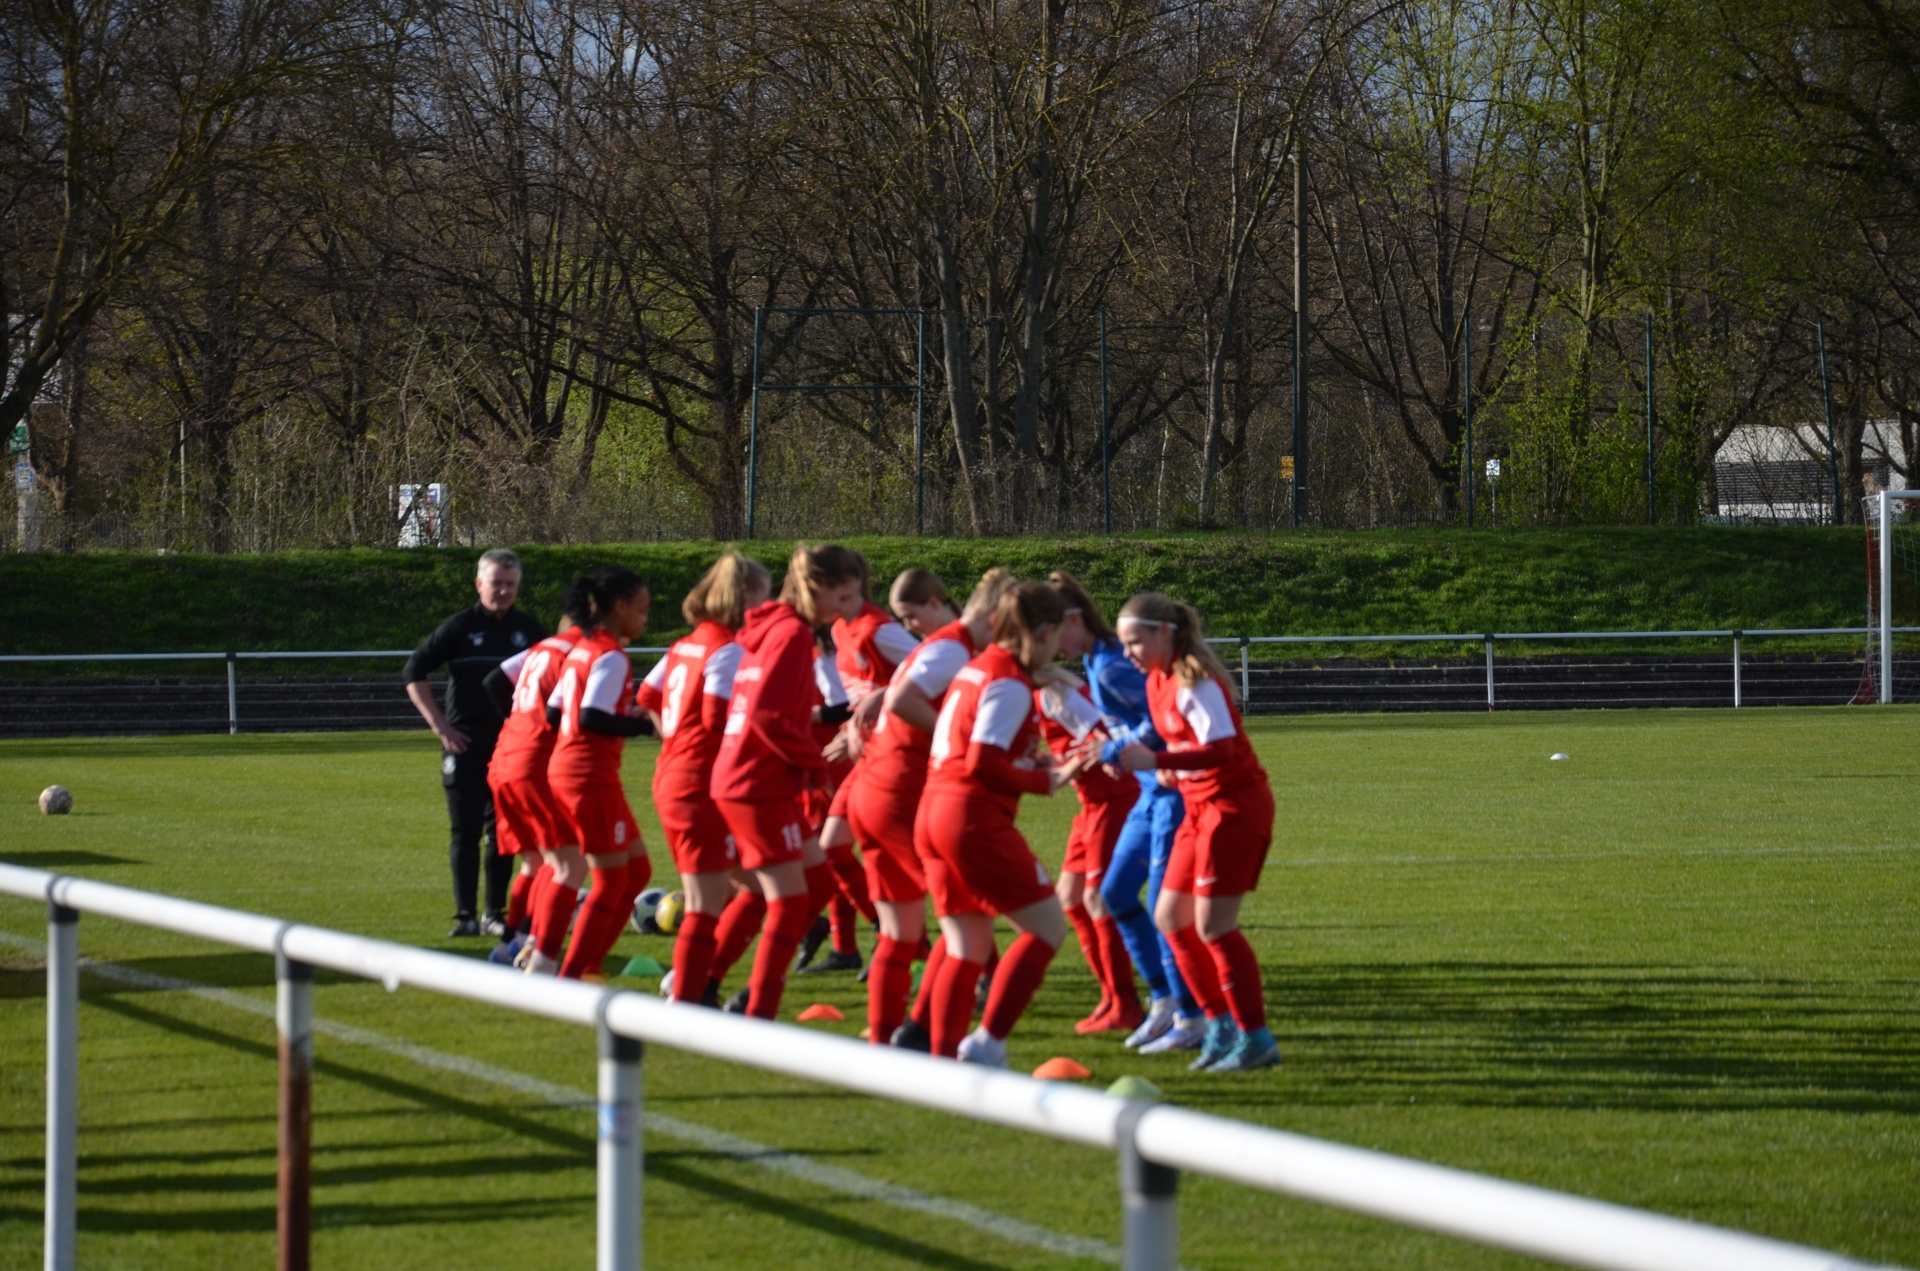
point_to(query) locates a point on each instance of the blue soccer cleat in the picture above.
(1222, 1036)
(1255, 1050)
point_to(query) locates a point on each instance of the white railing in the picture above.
(1154, 1141)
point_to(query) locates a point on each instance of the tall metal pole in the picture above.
(1649, 418)
(1885, 616)
(293, 1012)
(233, 695)
(619, 1155)
(1106, 438)
(753, 426)
(1826, 407)
(1299, 319)
(63, 1084)
(920, 428)
(1469, 401)
(1149, 1203)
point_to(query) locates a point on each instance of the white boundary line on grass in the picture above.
(832, 1177)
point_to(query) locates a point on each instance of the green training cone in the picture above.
(644, 965)
(1132, 1087)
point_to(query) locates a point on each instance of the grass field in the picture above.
(1679, 970)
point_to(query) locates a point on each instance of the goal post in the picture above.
(1893, 586)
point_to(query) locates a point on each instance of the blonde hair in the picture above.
(1022, 611)
(995, 583)
(814, 568)
(1193, 658)
(917, 586)
(721, 594)
(1077, 597)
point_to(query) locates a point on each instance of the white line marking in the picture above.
(1580, 857)
(793, 1164)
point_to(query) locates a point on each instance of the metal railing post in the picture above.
(63, 1084)
(1246, 681)
(1736, 670)
(293, 1012)
(233, 695)
(619, 1202)
(1885, 617)
(1149, 1207)
(1489, 639)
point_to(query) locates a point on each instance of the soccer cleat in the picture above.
(1254, 1050)
(1185, 1034)
(1100, 1021)
(1222, 1036)
(737, 1004)
(521, 958)
(816, 936)
(666, 983)
(540, 964)
(835, 961)
(465, 927)
(862, 977)
(1159, 1019)
(507, 952)
(983, 1048)
(910, 1036)
(711, 998)
(494, 925)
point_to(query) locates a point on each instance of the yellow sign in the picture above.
(1286, 467)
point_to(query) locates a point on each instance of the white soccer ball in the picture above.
(644, 907)
(56, 801)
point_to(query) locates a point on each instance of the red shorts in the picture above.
(882, 824)
(1221, 846)
(767, 832)
(840, 795)
(601, 822)
(816, 803)
(1096, 828)
(525, 818)
(696, 834)
(976, 861)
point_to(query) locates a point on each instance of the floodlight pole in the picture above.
(1826, 407)
(1649, 417)
(1885, 616)
(920, 428)
(1106, 438)
(753, 423)
(1467, 469)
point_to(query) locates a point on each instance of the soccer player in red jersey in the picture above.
(1070, 721)
(688, 692)
(526, 818)
(883, 799)
(1222, 845)
(589, 707)
(832, 708)
(985, 754)
(768, 757)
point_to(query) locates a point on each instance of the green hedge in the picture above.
(1260, 584)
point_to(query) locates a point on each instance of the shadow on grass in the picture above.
(235, 970)
(64, 859)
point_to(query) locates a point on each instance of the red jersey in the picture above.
(1207, 745)
(867, 650)
(597, 674)
(768, 738)
(1067, 716)
(526, 739)
(983, 746)
(895, 757)
(690, 688)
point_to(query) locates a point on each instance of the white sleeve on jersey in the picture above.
(657, 677)
(511, 667)
(717, 679)
(1004, 705)
(1072, 709)
(935, 665)
(894, 642)
(826, 677)
(1206, 711)
(607, 683)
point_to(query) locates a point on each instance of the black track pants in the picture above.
(473, 843)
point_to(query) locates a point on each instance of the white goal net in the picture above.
(1892, 671)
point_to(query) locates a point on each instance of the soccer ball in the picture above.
(672, 909)
(643, 911)
(56, 801)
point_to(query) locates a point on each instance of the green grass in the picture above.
(1678, 971)
(1318, 582)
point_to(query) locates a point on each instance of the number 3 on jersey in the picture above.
(526, 693)
(673, 704)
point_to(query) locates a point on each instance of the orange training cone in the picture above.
(820, 1010)
(1060, 1068)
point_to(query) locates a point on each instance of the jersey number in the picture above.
(673, 707)
(526, 694)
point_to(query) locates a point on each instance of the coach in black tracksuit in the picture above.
(469, 645)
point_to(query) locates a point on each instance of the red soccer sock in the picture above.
(551, 915)
(740, 922)
(1113, 953)
(953, 999)
(1090, 948)
(599, 924)
(519, 892)
(853, 883)
(536, 897)
(889, 978)
(845, 937)
(639, 874)
(693, 952)
(1240, 979)
(1197, 969)
(1015, 983)
(787, 921)
(821, 888)
(936, 957)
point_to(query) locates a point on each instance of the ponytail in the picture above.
(1193, 658)
(813, 569)
(1022, 611)
(1077, 598)
(721, 594)
(594, 594)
